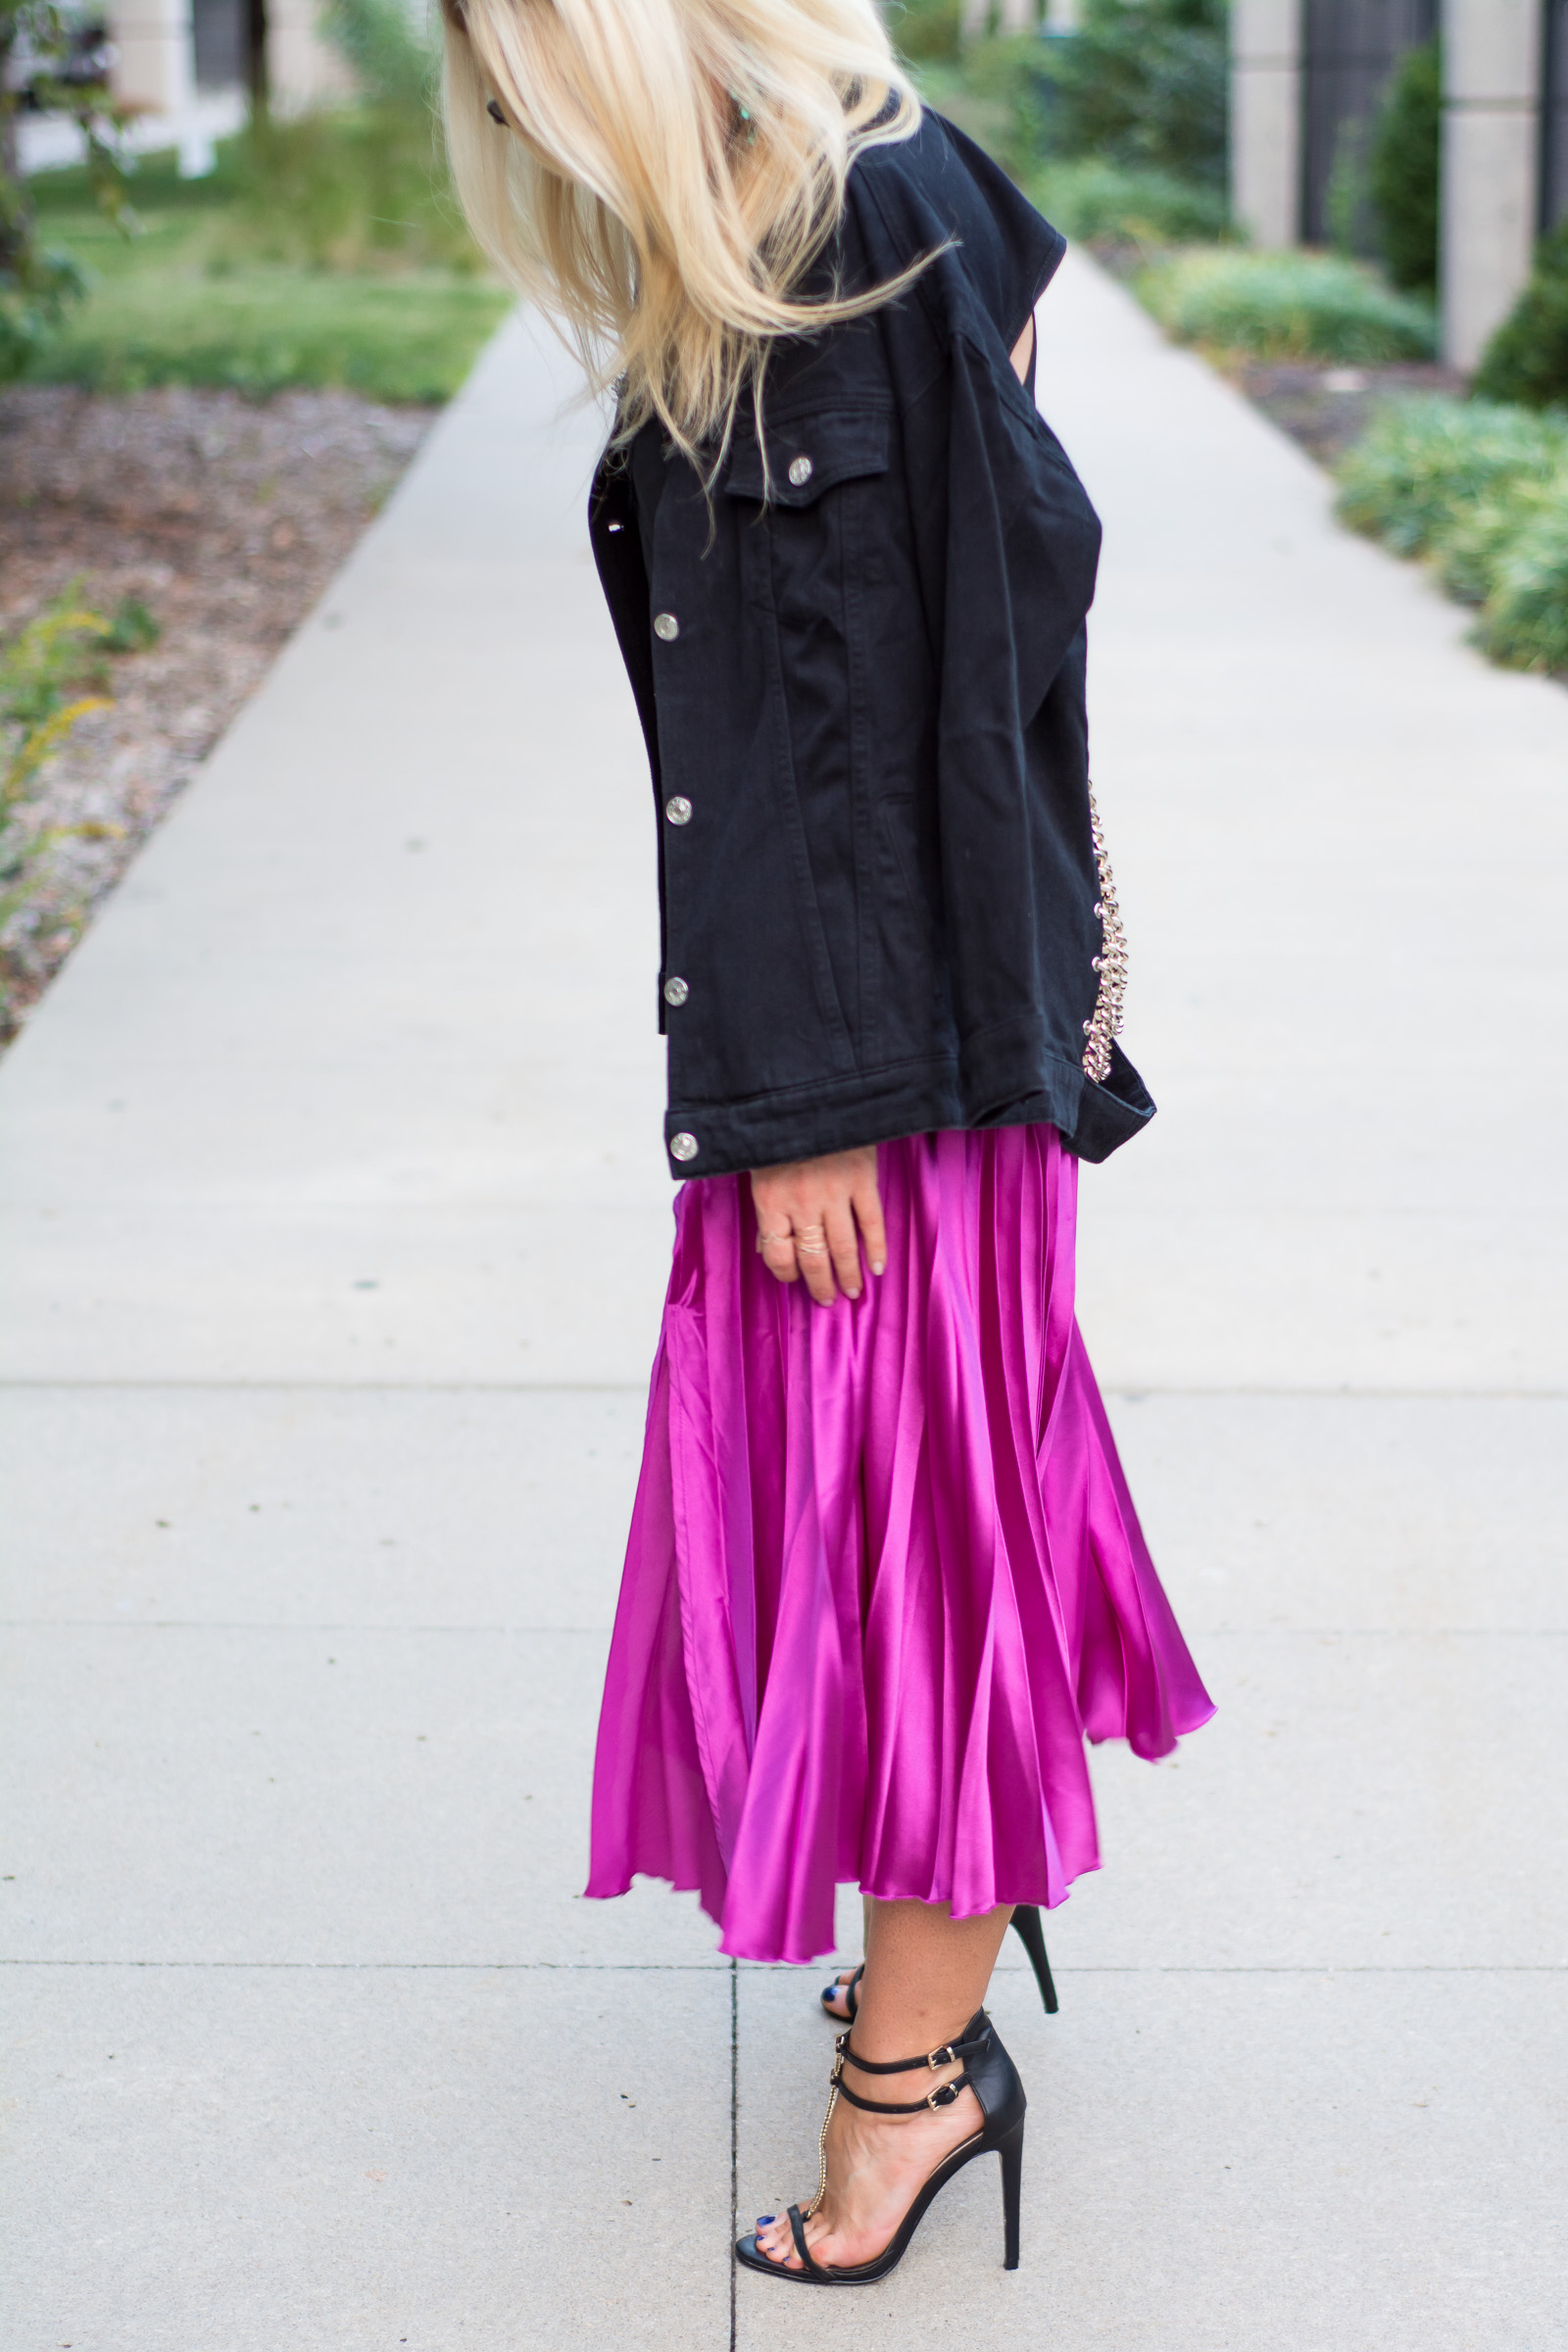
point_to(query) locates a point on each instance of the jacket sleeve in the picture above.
(1009, 567)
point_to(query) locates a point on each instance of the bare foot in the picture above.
(876, 2166)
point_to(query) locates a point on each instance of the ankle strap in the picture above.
(951, 2053)
(942, 2094)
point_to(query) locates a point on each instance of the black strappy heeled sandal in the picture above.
(991, 2074)
(851, 1990)
(1031, 1935)
(1025, 1919)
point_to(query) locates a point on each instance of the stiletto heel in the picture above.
(1026, 1920)
(1011, 2154)
(991, 2074)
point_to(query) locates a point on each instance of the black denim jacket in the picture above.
(861, 678)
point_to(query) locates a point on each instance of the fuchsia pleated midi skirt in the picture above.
(884, 1573)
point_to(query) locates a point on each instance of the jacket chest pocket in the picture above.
(810, 554)
(818, 485)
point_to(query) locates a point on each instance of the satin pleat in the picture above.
(884, 1572)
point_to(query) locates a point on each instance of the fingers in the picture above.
(869, 1215)
(815, 1253)
(811, 1217)
(844, 1248)
(778, 1254)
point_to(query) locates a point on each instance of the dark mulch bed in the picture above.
(1326, 407)
(227, 518)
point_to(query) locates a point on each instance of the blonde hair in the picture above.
(675, 169)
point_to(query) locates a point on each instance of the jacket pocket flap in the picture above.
(808, 455)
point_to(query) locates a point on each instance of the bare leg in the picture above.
(926, 1974)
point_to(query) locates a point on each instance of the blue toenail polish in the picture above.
(765, 2221)
(828, 1990)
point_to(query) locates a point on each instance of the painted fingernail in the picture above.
(851, 1294)
(879, 1265)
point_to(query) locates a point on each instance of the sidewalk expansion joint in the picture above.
(718, 1965)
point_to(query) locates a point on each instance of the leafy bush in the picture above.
(389, 58)
(1142, 85)
(355, 186)
(1285, 306)
(1469, 545)
(1089, 200)
(1424, 461)
(1526, 359)
(1405, 169)
(1525, 619)
(1483, 491)
(39, 45)
(926, 30)
(344, 188)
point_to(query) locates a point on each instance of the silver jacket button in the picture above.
(683, 1147)
(801, 472)
(666, 625)
(678, 809)
(676, 991)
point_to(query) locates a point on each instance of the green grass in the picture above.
(1285, 306)
(229, 285)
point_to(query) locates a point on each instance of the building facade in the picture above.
(1306, 79)
(169, 53)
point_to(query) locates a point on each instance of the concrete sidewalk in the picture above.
(335, 1226)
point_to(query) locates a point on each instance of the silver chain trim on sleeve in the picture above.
(1110, 964)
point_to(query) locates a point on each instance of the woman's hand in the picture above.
(811, 1217)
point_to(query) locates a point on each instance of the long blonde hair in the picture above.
(675, 169)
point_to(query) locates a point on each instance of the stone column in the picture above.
(1266, 119)
(302, 69)
(1490, 165)
(1018, 15)
(155, 55)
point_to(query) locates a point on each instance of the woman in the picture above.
(884, 1574)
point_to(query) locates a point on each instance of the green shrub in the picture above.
(1404, 168)
(359, 187)
(1141, 83)
(1525, 620)
(1424, 462)
(1469, 546)
(1285, 306)
(1089, 200)
(391, 60)
(926, 30)
(1526, 359)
